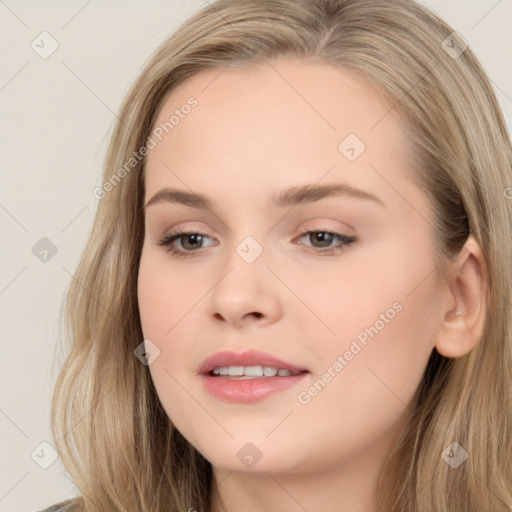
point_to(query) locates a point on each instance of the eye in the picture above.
(325, 238)
(190, 241)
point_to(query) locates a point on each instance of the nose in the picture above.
(246, 294)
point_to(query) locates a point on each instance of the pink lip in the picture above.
(247, 358)
(247, 390)
(250, 390)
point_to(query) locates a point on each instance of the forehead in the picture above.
(267, 97)
(277, 123)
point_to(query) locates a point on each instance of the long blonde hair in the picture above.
(110, 429)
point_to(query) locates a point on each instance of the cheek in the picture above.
(164, 295)
(168, 305)
(383, 313)
(385, 286)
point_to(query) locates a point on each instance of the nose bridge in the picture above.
(243, 269)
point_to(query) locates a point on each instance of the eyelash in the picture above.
(167, 240)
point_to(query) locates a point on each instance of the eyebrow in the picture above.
(290, 197)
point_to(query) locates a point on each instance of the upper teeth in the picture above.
(253, 371)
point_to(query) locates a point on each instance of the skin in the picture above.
(256, 131)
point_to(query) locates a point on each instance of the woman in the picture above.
(297, 290)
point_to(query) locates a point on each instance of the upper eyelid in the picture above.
(338, 230)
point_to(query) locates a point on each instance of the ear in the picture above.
(465, 303)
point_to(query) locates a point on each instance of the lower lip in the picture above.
(248, 390)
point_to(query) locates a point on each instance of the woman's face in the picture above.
(352, 305)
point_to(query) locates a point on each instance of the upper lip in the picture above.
(247, 358)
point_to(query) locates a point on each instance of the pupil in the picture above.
(323, 236)
(195, 239)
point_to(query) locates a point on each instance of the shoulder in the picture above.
(72, 505)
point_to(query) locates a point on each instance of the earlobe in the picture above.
(463, 318)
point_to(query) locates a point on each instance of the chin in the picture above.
(246, 456)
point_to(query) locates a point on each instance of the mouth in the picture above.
(249, 376)
(252, 372)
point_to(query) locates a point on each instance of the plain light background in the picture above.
(57, 115)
